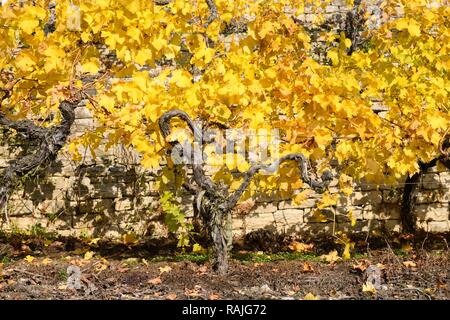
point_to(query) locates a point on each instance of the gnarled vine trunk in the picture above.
(50, 141)
(214, 203)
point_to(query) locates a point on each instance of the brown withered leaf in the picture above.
(202, 270)
(214, 296)
(300, 247)
(410, 264)
(307, 267)
(154, 281)
(165, 269)
(361, 266)
(171, 296)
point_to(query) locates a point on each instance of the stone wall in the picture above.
(112, 194)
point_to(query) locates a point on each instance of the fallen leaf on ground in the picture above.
(300, 247)
(129, 239)
(171, 296)
(331, 257)
(29, 258)
(130, 261)
(88, 255)
(154, 281)
(409, 264)
(193, 292)
(361, 266)
(196, 248)
(310, 296)
(46, 261)
(94, 241)
(214, 296)
(407, 247)
(202, 270)
(381, 266)
(368, 287)
(165, 269)
(307, 267)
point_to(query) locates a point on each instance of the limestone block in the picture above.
(360, 198)
(445, 179)
(289, 216)
(431, 181)
(438, 226)
(83, 113)
(432, 196)
(385, 211)
(93, 206)
(319, 215)
(123, 204)
(265, 207)
(289, 204)
(394, 225)
(258, 221)
(432, 212)
(81, 125)
(392, 196)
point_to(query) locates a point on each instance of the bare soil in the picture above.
(38, 269)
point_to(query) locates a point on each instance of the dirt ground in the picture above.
(58, 270)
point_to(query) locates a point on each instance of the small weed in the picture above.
(62, 275)
(5, 260)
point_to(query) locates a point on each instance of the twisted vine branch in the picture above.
(213, 203)
(51, 140)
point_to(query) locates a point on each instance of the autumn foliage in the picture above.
(238, 64)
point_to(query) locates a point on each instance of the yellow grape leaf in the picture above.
(348, 43)
(226, 17)
(141, 79)
(28, 24)
(351, 218)
(129, 239)
(24, 63)
(29, 258)
(333, 56)
(196, 248)
(368, 287)
(438, 122)
(266, 28)
(88, 255)
(91, 66)
(407, 247)
(302, 196)
(310, 296)
(182, 79)
(94, 241)
(414, 29)
(165, 269)
(243, 166)
(327, 200)
(346, 254)
(345, 184)
(159, 43)
(331, 257)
